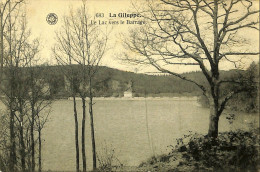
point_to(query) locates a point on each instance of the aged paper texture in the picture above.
(110, 85)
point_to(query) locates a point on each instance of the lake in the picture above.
(121, 125)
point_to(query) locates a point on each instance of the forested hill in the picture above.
(113, 82)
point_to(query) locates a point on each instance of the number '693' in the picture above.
(99, 14)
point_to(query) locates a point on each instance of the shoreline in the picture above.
(182, 98)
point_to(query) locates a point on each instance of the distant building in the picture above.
(129, 93)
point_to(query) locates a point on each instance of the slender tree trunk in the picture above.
(76, 133)
(2, 45)
(32, 122)
(92, 121)
(12, 89)
(12, 142)
(40, 152)
(83, 135)
(32, 138)
(12, 121)
(22, 149)
(92, 133)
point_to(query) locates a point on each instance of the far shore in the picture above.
(141, 98)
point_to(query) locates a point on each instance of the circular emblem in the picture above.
(52, 18)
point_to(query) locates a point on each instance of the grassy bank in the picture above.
(231, 151)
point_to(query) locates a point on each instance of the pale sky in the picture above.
(39, 9)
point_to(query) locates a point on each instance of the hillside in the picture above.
(113, 82)
(109, 82)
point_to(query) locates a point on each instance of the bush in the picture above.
(236, 151)
(108, 160)
(165, 158)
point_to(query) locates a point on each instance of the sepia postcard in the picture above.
(129, 85)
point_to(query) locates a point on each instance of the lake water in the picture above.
(121, 125)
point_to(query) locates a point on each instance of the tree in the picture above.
(199, 33)
(39, 103)
(61, 50)
(41, 113)
(245, 101)
(6, 9)
(83, 43)
(11, 55)
(18, 53)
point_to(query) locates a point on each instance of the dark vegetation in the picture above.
(230, 151)
(111, 82)
(247, 101)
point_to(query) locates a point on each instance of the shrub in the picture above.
(107, 160)
(230, 151)
(164, 158)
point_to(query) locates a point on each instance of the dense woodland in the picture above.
(111, 82)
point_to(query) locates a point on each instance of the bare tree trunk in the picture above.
(92, 124)
(12, 115)
(12, 118)
(92, 133)
(213, 120)
(32, 138)
(83, 135)
(40, 152)
(22, 149)
(1, 44)
(32, 121)
(76, 133)
(213, 125)
(12, 142)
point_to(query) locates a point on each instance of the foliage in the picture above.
(165, 158)
(107, 159)
(3, 141)
(113, 82)
(246, 101)
(229, 151)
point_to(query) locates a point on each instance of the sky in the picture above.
(39, 9)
